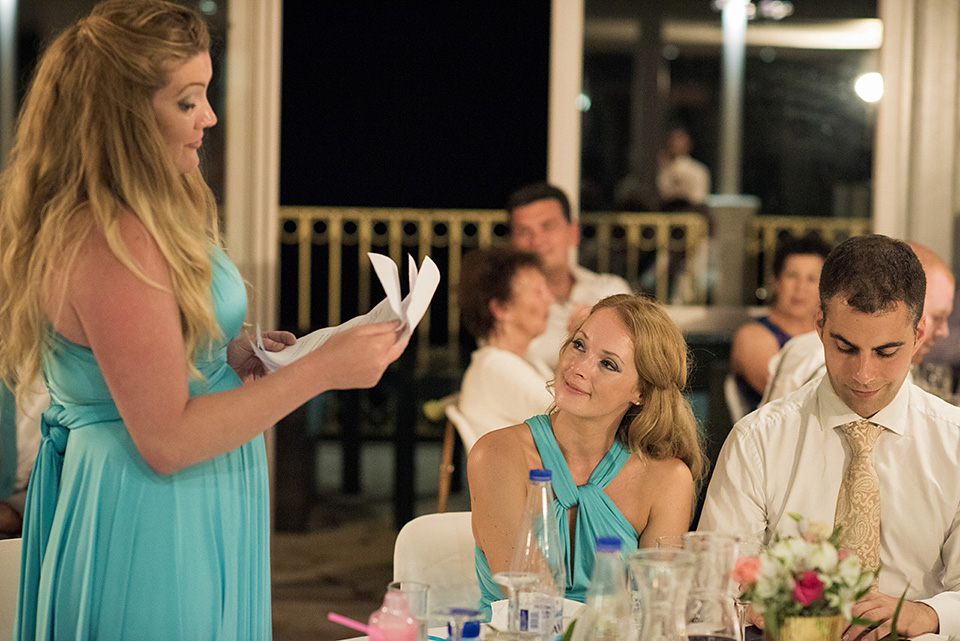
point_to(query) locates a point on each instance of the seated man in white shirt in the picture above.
(540, 222)
(789, 456)
(801, 358)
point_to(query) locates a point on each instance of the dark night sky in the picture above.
(402, 104)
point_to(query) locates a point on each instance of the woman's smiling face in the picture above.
(596, 375)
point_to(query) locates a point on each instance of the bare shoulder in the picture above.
(136, 238)
(501, 449)
(671, 472)
(751, 332)
(658, 475)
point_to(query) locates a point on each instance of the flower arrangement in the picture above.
(809, 575)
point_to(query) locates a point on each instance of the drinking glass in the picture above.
(670, 541)
(418, 600)
(457, 617)
(711, 613)
(659, 580)
(746, 549)
(514, 582)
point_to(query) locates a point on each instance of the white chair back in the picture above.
(735, 402)
(468, 433)
(9, 584)
(438, 549)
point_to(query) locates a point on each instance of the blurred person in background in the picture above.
(541, 222)
(505, 303)
(796, 275)
(683, 183)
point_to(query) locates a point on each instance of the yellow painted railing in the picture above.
(326, 277)
(763, 232)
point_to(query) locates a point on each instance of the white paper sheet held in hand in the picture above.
(410, 310)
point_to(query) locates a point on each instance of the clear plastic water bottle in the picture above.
(539, 555)
(608, 615)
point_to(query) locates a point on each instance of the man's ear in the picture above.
(921, 332)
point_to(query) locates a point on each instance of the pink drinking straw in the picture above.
(373, 633)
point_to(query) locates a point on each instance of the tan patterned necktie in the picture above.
(858, 504)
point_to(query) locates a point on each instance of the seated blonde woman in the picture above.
(505, 303)
(621, 442)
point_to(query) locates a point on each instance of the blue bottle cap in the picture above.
(609, 544)
(471, 630)
(541, 475)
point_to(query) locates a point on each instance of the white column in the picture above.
(8, 76)
(252, 156)
(734, 21)
(566, 82)
(916, 170)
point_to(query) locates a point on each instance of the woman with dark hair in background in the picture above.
(505, 304)
(796, 277)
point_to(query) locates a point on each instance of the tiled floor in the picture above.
(345, 561)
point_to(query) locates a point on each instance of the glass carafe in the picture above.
(711, 611)
(659, 583)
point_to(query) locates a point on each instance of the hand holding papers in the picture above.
(409, 310)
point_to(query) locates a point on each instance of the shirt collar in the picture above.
(834, 412)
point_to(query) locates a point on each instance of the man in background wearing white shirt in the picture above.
(790, 456)
(683, 182)
(801, 359)
(541, 223)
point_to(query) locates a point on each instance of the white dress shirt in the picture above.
(788, 457)
(501, 388)
(684, 178)
(798, 362)
(588, 288)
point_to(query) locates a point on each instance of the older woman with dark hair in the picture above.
(796, 275)
(505, 303)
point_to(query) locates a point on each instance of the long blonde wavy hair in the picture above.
(663, 425)
(88, 148)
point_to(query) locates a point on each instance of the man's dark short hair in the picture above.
(811, 244)
(487, 275)
(538, 191)
(873, 274)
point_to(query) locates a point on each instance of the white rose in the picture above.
(824, 557)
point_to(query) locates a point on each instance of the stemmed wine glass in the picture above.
(457, 617)
(746, 550)
(514, 582)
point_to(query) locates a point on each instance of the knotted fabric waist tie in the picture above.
(42, 494)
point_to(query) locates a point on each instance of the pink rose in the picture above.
(746, 570)
(842, 554)
(808, 589)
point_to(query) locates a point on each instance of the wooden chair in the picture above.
(457, 425)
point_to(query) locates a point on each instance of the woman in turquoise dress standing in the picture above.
(621, 442)
(147, 514)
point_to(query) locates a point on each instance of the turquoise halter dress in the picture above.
(112, 550)
(597, 515)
